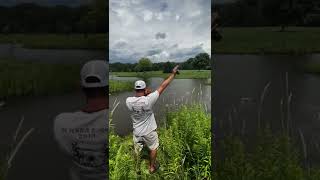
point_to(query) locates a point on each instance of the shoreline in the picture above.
(184, 74)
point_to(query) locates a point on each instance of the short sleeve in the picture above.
(128, 104)
(153, 97)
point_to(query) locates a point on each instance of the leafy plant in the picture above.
(184, 151)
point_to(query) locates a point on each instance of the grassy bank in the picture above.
(268, 40)
(272, 156)
(312, 67)
(184, 151)
(29, 79)
(57, 41)
(119, 86)
(184, 74)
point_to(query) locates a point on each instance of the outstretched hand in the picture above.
(175, 70)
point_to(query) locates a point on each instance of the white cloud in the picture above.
(159, 16)
(162, 30)
(162, 56)
(177, 17)
(147, 15)
(195, 13)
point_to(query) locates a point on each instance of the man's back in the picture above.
(142, 114)
(82, 136)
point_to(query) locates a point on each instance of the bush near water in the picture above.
(184, 151)
(27, 78)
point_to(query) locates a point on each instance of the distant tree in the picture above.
(187, 65)
(216, 36)
(97, 14)
(168, 66)
(143, 65)
(202, 61)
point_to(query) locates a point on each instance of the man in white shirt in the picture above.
(144, 123)
(82, 135)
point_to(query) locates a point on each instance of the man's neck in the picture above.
(96, 104)
(139, 94)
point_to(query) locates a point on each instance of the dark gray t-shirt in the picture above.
(83, 137)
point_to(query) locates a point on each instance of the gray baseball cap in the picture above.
(139, 84)
(97, 69)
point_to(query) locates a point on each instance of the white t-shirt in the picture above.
(141, 113)
(83, 137)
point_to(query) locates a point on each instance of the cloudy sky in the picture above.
(161, 30)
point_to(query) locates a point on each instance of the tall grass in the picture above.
(267, 154)
(6, 158)
(26, 78)
(119, 86)
(184, 151)
(272, 157)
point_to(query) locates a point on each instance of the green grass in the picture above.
(268, 40)
(272, 156)
(30, 79)
(184, 151)
(57, 41)
(3, 169)
(313, 67)
(184, 74)
(119, 86)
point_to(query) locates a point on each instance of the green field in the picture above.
(184, 151)
(30, 79)
(119, 86)
(57, 41)
(184, 74)
(268, 40)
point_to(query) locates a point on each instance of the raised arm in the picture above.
(166, 82)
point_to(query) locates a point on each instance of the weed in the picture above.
(184, 152)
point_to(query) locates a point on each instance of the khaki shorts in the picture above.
(151, 140)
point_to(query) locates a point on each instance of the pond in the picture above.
(291, 97)
(180, 91)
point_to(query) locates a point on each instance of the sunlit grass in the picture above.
(119, 86)
(184, 152)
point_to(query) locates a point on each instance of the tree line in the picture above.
(269, 13)
(201, 61)
(34, 18)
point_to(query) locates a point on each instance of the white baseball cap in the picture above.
(139, 84)
(95, 74)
